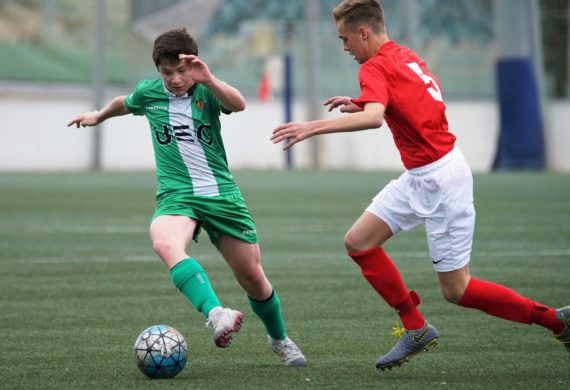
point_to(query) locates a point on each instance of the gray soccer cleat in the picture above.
(563, 315)
(410, 344)
(225, 323)
(288, 351)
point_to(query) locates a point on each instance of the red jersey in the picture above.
(399, 80)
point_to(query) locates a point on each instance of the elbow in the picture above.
(375, 121)
(240, 106)
(237, 106)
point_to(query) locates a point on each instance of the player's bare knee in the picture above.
(452, 295)
(355, 244)
(164, 248)
(257, 286)
(453, 284)
(350, 242)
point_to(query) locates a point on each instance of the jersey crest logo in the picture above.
(200, 105)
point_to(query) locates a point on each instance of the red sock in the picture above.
(502, 302)
(409, 313)
(385, 278)
(546, 317)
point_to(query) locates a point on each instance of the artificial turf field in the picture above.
(79, 281)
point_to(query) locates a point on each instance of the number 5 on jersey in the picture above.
(433, 88)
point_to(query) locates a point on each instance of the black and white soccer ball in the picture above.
(161, 352)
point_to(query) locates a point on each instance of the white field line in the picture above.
(276, 256)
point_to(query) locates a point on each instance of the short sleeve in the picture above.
(134, 101)
(373, 86)
(218, 104)
(214, 104)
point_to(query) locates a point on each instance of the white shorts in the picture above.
(440, 196)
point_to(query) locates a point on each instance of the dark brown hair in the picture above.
(354, 13)
(170, 44)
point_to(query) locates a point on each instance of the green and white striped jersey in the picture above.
(186, 136)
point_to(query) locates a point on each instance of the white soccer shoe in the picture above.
(288, 351)
(225, 323)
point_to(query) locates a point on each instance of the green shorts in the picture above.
(224, 214)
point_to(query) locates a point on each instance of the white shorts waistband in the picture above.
(453, 153)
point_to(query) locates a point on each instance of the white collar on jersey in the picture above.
(171, 95)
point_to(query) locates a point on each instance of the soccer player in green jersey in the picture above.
(195, 189)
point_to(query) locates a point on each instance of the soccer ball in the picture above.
(160, 352)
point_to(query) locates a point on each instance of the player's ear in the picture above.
(363, 30)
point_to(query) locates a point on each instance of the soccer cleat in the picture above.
(225, 323)
(563, 315)
(288, 351)
(411, 343)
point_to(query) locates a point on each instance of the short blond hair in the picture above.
(353, 13)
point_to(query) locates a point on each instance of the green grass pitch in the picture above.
(79, 281)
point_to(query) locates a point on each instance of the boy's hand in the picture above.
(292, 133)
(347, 105)
(199, 71)
(87, 119)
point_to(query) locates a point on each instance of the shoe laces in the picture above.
(214, 319)
(286, 348)
(561, 340)
(210, 323)
(398, 331)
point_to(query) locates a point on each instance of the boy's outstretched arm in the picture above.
(371, 117)
(115, 107)
(231, 98)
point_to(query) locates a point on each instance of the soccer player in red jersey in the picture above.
(435, 190)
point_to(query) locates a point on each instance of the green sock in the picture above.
(190, 278)
(269, 311)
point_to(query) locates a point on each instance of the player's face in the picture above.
(176, 77)
(352, 42)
